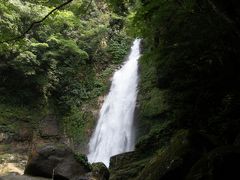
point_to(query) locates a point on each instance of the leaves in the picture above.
(26, 62)
(192, 54)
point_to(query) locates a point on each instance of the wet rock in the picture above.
(127, 165)
(220, 164)
(100, 171)
(57, 161)
(119, 160)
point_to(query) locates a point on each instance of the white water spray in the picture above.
(114, 131)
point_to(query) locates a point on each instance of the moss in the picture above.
(158, 137)
(10, 112)
(100, 171)
(12, 117)
(153, 107)
(75, 124)
(128, 165)
(175, 160)
(154, 103)
(82, 159)
(129, 170)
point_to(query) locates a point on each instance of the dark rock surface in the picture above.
(57, 161)
(174, 162)
(22, 133)
(127, 165)
(100, 171)
(49, 127)
(167, 163)
(220, 164)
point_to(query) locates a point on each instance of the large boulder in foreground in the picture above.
(56, 161)
(221, 163)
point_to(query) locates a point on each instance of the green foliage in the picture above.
(121, 6)
(189, 66)
(12, 118)
(7, 112)
(26, 62)
(118, 48)
(59, 56)
(65, 61)
(75, 124)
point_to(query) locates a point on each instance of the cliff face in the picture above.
(188, 122)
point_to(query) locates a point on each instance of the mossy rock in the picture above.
(220, 164)
(82, 159)
(127, 165)
(157, 138)
(120, 160)
(174, 162)
(155, 103)
(100, 171)
(129, 171)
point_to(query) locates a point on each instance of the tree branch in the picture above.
(89, 4)
(37, 22)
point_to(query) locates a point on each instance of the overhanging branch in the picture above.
(36, 23)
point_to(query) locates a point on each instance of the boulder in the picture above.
(19, 177)
(72, 167)
(56, 161)
(221, 163)
(127, 165)
(100, 171)
(119, 160)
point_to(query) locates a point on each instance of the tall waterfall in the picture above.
(114, 131)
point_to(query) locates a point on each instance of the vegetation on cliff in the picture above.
(58, 65)
(189, 97)
(189, 80)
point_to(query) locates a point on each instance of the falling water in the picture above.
(113, 134)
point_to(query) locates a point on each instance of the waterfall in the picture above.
(114, 131)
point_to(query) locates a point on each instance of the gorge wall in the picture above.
(187, 118)
(188, 122)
